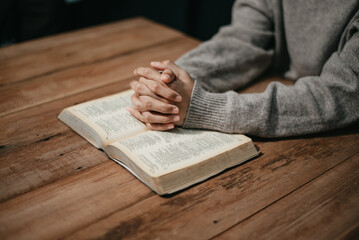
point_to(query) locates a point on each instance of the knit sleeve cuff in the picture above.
(206, 110)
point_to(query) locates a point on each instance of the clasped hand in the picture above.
(162, 95)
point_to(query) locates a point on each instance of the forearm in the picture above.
(313, 104)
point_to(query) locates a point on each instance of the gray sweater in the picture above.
(315, 43)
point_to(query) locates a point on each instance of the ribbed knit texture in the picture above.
(204, 102)
(315, 43)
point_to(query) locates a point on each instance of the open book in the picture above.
(165, 161)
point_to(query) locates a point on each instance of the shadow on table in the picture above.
(352, 129)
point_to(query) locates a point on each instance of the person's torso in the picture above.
(311, 30)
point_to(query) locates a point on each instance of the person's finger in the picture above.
(137, 104)
(161, 89)
(158, 120)
(153, 117)
(167, 64)
(168, 76)
(137, 114)
(152, 104)
(160, 126)
(158, 65)
(148, 73)
(141, 89)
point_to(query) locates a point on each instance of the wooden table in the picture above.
(54, 184)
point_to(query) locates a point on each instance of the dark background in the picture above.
(21, 20)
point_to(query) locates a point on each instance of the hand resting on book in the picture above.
(161, 100)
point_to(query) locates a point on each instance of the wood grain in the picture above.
(323, 203)
(23, 128)
(227, 199)
(84, 47)
(40, 122)
(78, 79)
(40, 163)
(54, 184)
(71, 203)
(34, 132)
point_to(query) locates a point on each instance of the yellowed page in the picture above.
(159, 153)
(82, 128)
(109, 118)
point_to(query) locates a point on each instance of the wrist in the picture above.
(206, 109)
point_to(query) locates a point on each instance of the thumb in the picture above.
(168, 76)
(167, 64)
(158, 65)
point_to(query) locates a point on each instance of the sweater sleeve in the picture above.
(238, 53)
(313, 104)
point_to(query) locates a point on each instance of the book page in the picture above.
(162, 152)
(109, 117)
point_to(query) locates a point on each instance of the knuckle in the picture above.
(147, 116)
(135, 86)
(146, 102)
(169, 108)
(155, 87)
(138, 105)
(172, 94)
(139, 88)
(167, 62)
(171, 73)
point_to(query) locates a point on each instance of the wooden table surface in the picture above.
(54, 184)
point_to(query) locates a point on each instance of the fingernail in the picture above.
(155, 63)
(128, 108)
(178, 99)
(175, 110)
(170, 126)
(176, 118)
(165, 76)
